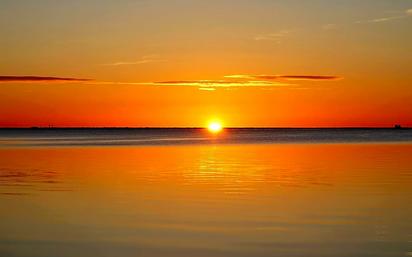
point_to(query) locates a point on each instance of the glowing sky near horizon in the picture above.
(183, 63)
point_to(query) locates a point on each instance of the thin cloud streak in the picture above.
(133, 63)
(222, 83)
(399, 16)
(39, 79)
(384, 19)
(144, 60)
(207, 88)
(276, 37)
(286, 77)
(206, 84)
(407, 13)
(330, 26)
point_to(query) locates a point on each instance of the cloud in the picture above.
(405, 14)
(38, 79)
(330, 26)
(276, 37)
(230, 81)
(207, 88)
(213, 84)
(286, 77)
(132, 63)
(143, 60)
(238, 81)
(384, 19)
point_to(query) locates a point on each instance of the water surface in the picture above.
(304, 198)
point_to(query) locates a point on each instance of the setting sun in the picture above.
(215, 127)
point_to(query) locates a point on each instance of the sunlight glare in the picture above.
(215, 127)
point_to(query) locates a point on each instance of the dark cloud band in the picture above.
(234, 81)
(5, 79)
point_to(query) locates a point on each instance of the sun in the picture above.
(215, 127)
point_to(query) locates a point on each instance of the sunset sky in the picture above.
(184, 63)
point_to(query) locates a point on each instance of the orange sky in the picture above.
(171, 63)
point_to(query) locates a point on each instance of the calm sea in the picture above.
(186, 192)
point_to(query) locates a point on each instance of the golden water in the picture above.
(207, 200)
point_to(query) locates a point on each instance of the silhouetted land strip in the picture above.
(188, 128)
(195, 136)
